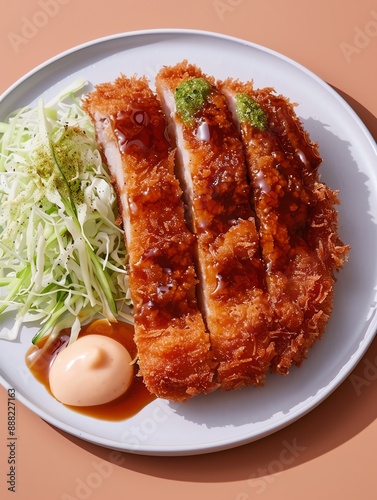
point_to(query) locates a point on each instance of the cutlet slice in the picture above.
(296, 215)
(173, 345)
(211, 167)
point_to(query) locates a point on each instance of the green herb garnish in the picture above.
(190, 97)
(250, 111)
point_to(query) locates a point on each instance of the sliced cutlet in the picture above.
(173, 345)
(296, 217)
(211, 167)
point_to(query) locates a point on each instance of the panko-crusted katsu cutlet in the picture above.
(173, 345)
(296, 217)
(211, 165)
(232, 238)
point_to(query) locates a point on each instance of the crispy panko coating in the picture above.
(232, 238)
(212, 164)
(297, 222)
(173, 345)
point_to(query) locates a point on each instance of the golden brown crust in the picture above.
(236, 305)
(297, 223)
(173, 346)
(266, 233)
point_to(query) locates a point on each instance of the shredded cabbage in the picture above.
(62, 254)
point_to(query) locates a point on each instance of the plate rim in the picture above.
(194, 32)
(370, 332)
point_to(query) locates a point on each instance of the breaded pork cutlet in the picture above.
(296, 217)
(173, 345)
(212, 169)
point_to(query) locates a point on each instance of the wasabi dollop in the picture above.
(190, 96)
(250, 111)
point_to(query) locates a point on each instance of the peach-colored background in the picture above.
(337, 39)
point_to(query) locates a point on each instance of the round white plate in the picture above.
(224, 420)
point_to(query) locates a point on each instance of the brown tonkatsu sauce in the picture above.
(39, 359)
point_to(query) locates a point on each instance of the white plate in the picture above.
(224, 420)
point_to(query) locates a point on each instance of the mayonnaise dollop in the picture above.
(93, 370)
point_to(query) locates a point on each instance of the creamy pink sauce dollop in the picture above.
(93, 370)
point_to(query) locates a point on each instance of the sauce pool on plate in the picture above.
(40, 359)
